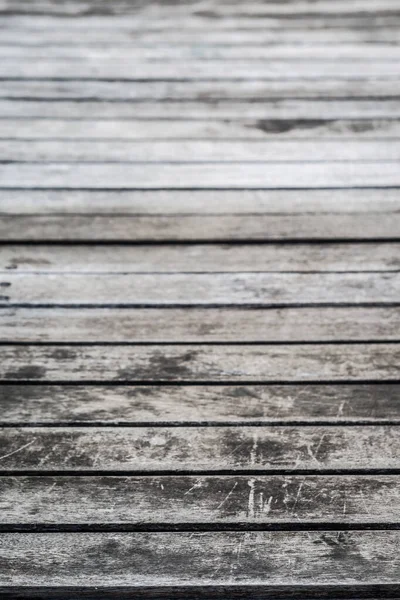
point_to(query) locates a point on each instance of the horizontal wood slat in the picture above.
(201, 404)
(241, 69)
(233, 500)
(198, 151)
(204, 325)
(198, 289)
(199, 90)
(190, 559)
(199, 449)
(254, 363)
(201, 258)
(200, 176)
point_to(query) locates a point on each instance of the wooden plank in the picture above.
(263, 203)
(175, 35)
(157, 20)
(202, 258)
(283, 109)
(267, 559)
(198, 501)
(202, 404)
(198, 151)
(199, 215)
(241, 69)
(201, 175)
(199, 449)
(81, 50)
(97, 9)
(221, 227)
(319, 324)
(199, 363)
(86, 129)
(198, 289)
(199, 90)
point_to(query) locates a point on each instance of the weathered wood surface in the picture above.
(198, 90)
(206, 258)
(200, 176)
(198, 151)
(164, 405)
(198, 501)
(195, 69)
(267, 203)
(289, 324)
(200, 363)
(199, 449)
(199, 227)
(112, 50)
(238, 129)
(200, 404)
(197, 215)
(211, 9)
(167, 559)
(198, 289)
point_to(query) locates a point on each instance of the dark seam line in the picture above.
(203, 424)
(194, 527)
(17, 270)
(202, 383)
(189, 189)
(235, 344)
(193, 242)
(195, 472)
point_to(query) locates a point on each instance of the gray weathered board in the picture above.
(199, 299)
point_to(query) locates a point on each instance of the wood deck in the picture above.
(199, 299)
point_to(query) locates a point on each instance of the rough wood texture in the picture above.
(198, 501)
(193, 69)
(198, 289)
(315, 324)
(207, 258)
(199, 449)
(199, 299)
(198, 90)
(199, 215)
(253, 363)
(201, 404)
(197, 151)
(197, 129)
(140, 559)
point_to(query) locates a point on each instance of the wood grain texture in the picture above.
(201, 404)
(201, 258)
(199, 449)
(212, 129)
(198, 90)
(195, 228)
(81, 50)
(198, 289)
(152, 215)
(200, 176)
(184, 559)
(268, 203)
(240, 69)
(100, 8)
(198, 151)
(198, 501)
(367, 32)
(318, 324)
(264, 109)
(191, 363)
